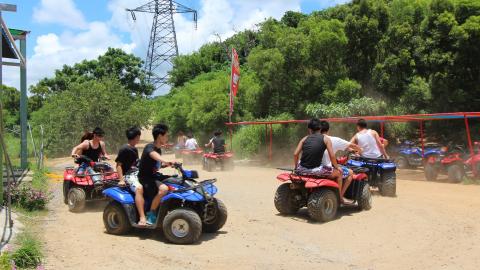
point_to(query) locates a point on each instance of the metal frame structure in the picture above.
(419, 118)
(162, 47)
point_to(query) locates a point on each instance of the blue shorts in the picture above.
(345, 171)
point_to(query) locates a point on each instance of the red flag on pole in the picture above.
(234, 80)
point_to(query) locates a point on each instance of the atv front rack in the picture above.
(199, 185)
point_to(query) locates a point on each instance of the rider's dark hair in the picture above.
(159, 129)
(217, 133)
(362, 123)
(314, 124)
(133, 132)
(89, 135)
(324, 126)
(189, 135)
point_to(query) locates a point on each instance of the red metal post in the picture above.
(270, 148)
(382, 128)
(231, 139)
(266, 139)
(467, 127)
(421, 138)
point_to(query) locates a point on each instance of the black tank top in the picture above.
(312, 151)
(218, 145)
(93, 154)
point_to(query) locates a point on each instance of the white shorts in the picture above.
(132, 180)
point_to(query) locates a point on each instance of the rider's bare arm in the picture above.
(355, 147)
(156, 156)
(297, 152)
(120, 173)
(209, 144)
(379, 143)
(79, 148)
(354, 139)
(331, 154)
(104, 150)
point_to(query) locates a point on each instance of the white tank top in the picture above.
(367, 142)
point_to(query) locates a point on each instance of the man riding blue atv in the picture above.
(410, 156)
(188, 209)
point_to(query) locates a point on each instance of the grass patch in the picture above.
(28, 255)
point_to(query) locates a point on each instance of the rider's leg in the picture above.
(337, 176)
(347, 182)
(162, 191)
(140, 203)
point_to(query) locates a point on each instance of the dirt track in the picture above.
(428, 226)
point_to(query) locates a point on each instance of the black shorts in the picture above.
(151, 184)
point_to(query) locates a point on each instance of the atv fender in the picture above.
(190, 195)
(120, 195)
(360, 177)
(388, 166)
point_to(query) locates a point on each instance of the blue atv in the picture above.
(188, 209)
(381, 173)
(410, 156)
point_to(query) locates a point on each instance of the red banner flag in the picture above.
(235, 80)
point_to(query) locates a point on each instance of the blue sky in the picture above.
(68, 31)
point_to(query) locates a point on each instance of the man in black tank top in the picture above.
(217, 143)
(312, 148)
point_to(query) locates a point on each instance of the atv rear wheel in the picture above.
(286, 200)
(115, 219)
(431, 172)
(322, 205)
(402, 162)
(228, 164)
(76, 199)
(66, 188)
(182, 226)
(219, 220)
(388, 187)
(365, 200)
(455, 173)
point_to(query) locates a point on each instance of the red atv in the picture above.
(192, 156)
(320, 196)
(451, 162)
(82, 184)
(167, 148)
(473, 163)
(212, 160)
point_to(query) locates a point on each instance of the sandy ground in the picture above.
(428, 226)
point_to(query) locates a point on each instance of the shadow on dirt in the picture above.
(302, 214)
(157, 234)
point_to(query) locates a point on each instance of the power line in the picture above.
(162, 47)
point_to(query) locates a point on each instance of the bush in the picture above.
(29, 254)
(249, 141)
(28, 197)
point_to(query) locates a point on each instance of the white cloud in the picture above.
(61, 12)
(222, 17)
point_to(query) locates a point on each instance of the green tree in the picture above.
(83, 106)
(115, 63)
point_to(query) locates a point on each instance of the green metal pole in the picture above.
(23, 106)
(1, 113)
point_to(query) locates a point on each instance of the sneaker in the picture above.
(151, 218)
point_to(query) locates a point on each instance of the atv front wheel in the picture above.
(115, 219)
(76, 199)
(455, 173)
(220, 218)
(286, 201)
(365, 200)
(388, 187)
(182, 226)
(402, 162)
(431, 172)
(322, 205)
